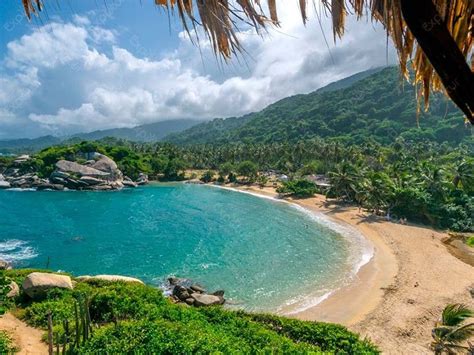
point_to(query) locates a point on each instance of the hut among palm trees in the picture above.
(434, 36)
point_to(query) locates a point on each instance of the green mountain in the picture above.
(371, 105)
(27, 145)
(145, 133)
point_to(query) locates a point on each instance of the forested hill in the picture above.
(379, 107)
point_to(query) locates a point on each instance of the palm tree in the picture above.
(450, 332)
(464, 175)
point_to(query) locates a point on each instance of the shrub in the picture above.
(298, 188)
(6, 346)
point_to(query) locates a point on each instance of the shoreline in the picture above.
(397, 296)
(363, 251)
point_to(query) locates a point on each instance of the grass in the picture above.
(134, 318)
(470, 241)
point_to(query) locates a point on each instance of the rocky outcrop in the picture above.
(67, 168)
(99, 173)
(109, 278)
(37, 284)
(193, 294)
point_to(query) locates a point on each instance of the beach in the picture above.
(397, 296)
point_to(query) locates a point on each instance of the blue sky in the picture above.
(91, 64)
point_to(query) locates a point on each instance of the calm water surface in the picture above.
(263, 253)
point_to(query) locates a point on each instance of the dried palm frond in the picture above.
(219, 19)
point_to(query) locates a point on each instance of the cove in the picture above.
(263, 253)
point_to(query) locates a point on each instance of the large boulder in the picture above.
(107, 165)
(204, 300)
(74, 168)
(37, 284)
(109, 278)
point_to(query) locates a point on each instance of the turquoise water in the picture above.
(264, 254)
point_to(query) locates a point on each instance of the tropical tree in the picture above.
(247, 169)
(345, 181)
(451, 331)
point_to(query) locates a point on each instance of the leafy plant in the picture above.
(450, 332)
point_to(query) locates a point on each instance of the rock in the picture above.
(48, 186)
(14, 290)
(71, 167)
(197, 288)
(37, 284)
(181, 292)
(129, 183)
(107, 165)
(142, 179)
(4, 265)
(219, 293)
(101, 188)
(111, 278)
(2, 178)
(204, 300)
(59, 174)
(180, 281)
(189, 301)
(4, 185)
(89, 180)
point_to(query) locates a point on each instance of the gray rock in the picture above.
(89, 180)
(197, 288)
(2, 178)
(59, 174)
(189, 301)
(37, 284)
(14, 290)
(142, 179)
(219, 293)
(129, 183)
(107, 165)
(48, 186)
(81, 170)
(204, 300)
(101, 188)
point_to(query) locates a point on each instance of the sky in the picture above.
(88, 65)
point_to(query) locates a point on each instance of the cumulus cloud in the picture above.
(69, 77)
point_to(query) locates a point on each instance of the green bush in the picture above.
(470, 241)
(298, 188)
(6, 346)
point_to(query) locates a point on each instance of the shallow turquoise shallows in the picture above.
(264, 254)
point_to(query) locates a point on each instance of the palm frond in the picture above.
(455, 314)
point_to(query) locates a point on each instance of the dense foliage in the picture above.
(425, 182)
(378, 107)
(133, 318)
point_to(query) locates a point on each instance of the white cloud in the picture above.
(98, 84)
